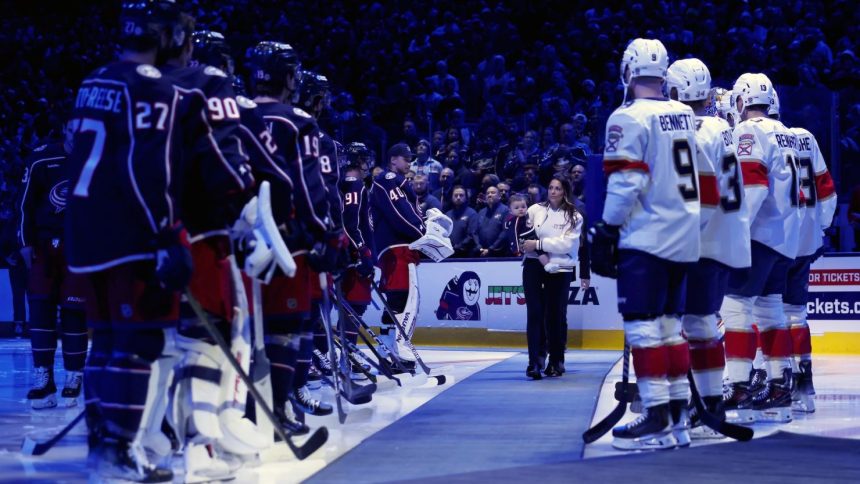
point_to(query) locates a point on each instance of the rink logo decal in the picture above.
(508, 295)
(834, 277)
(460, 298)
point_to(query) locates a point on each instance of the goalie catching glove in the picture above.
(435, 243)
(604, 249)
(259, 242)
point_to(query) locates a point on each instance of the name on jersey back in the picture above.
(101, 98)
(677, 122)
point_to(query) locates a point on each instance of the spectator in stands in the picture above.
(462, 174)
(446, 184)
(492, 238)
(424, 200)
(424, 164)
(577, 180)
(410, 133)
(504, 192)
(465, 218)
(536, 194)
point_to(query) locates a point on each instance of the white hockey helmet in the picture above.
(773, 110)
(644, 58)
(752, 90)
(691, 78)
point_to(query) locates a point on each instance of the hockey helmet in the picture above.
(691, 79)
(143, 22)
(752, 90)
(644, 58)
(773, 110)
(357, 153)
(312, 87)
(271, 62)
(211, 49)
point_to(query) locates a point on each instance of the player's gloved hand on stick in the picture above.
(604, 249)
(173, 265)
(328, 255)
(365, 262)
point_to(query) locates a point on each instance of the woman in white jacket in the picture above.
(557, 233)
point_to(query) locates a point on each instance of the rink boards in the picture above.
(480, 302)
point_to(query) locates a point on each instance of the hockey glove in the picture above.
(604, 249)
(329, 255)
(365, 262)
(173, 265)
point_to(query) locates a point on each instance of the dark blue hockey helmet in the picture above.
(358, 154)
(271, 62)
(143, 23)
(313, 87)
(211, 49)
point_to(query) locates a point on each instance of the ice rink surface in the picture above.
(487, 422)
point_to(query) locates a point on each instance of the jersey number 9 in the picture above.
(681, 156)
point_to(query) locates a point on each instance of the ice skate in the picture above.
(680, 422)
(802, 396)
(700, 431)
(358, 372)
(650, 431)
(303, 398)
(773, 402)
(321, 362)
(314, 378)
(287, 417)
(122, 462)
(202, 465)
(72, 388)
(43, 395)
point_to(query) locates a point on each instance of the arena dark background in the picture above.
(513, 66)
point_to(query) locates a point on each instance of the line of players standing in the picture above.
(759, 195)
(162, 158)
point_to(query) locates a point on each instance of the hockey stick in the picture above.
(261, 371)
(355, 393)
(610, 420)
(384, 363)
(418, 380)
(737, 432)
(31, 447)
(313, 443)
(343, 387)
(400, 328)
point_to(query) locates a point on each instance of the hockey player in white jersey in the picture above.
(724, 222)
(819, 204)
(724, 107)
(652, 205)
(767, 151)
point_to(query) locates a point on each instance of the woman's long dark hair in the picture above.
(570, 211)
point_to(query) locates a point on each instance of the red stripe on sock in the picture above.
(651, 362)
(801, 341)
(740, 344)
(679, 360)
(776, 343)
(707, 355)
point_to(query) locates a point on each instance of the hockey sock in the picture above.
(320, 338)
(43, 331)
(707, 359)
(740, 340)
(74, 324)
(126, 379)
(678, 352)
(306, 349)
(776, 346)
(801, 341)
(98, 358)
(351, 326)
(282, 351)
(650, 360)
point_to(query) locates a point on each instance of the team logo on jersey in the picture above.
(149, 71)
(745, 144)
(214, 71)
(245, 102)
(301, 113)
(459, 300)
(350, 179)
(57, 196)
(390, 175)
(613, 137)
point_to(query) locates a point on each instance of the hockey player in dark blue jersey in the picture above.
(396, 224)
(275, 77)
(50, 284)
(121, 232)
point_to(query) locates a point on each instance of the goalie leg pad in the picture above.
(408, 317)
(198, 383)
